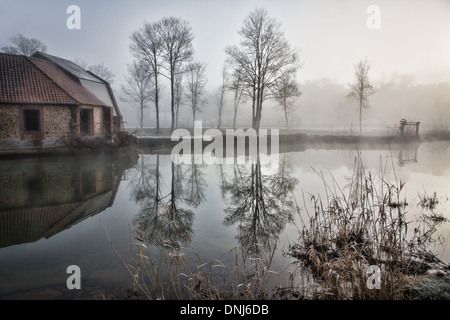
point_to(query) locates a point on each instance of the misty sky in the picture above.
(414, 37)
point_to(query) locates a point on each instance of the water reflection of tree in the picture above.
(357, 183)
(261, 203)
(163, 214)
(194, 184)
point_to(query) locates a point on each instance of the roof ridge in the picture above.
(80, 87)
(12, 54)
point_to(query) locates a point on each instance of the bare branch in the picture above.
(261, 58)
(361, 88)
(24, 46)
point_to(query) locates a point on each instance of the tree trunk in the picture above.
(142, 116)
(220, 119)
(172, 95)
(157, 102)
(360, 115)
(286, 117)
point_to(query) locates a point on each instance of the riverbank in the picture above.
(288, 141)
(122, 142)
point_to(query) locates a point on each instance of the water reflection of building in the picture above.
(42, 197)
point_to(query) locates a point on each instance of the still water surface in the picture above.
(57, 212)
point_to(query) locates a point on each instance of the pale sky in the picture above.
(414, 35)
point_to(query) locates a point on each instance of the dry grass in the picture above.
(163, 271)
(369, 227)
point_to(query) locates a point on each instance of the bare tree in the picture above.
(101, 70)
(146, 44)
(262, 56)
(139, 88)
(176, 49)
(179, 92)
(236, 85)
(361, 88)
(287, 90)
(24, 46)
(81, 63)
(195, 86)
(220, 95)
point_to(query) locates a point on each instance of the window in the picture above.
(32, 120)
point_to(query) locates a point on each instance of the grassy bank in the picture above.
(351, 235)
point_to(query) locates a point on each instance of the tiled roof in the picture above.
(22, 82)
(31, 80)
(71, 86)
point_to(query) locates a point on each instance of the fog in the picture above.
(324, 107)
(408, 49)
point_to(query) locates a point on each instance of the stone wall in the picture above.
(58, 125)
(98, 121)
(57, 122)
(9, 123)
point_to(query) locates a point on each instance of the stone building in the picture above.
(46, 101)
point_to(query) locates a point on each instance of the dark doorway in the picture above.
(32, 126)
(86, 127)
(32, 120)
(107, 120)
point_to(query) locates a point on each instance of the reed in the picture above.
(163, 271)
(349, 233)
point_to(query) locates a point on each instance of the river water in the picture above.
(84, 211)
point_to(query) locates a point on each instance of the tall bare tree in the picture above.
(237, 87)
(24, 46)
(287, 90)
(220, 95)
(361, 88)
(176, 50)
(262, 56)
(179, 92)
(195, 86)
(139, 87)
(146, 44)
